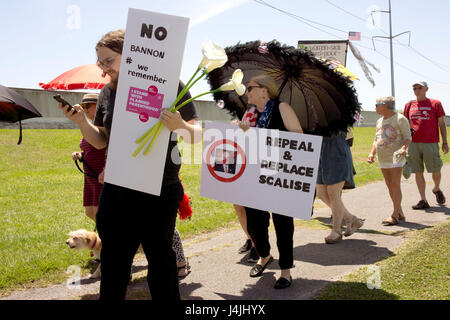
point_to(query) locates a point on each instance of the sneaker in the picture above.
(440, 198)
(253, 256)
(422, 204)
(247, 246)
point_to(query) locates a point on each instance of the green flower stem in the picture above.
(187, 88)
(172, 107)
(192, 99)
(160, 125)
(147, 137)
(151, 132)
(146, 134)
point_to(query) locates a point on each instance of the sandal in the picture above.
(186, 267)
(391, 221)
(354, 225)
(333, 237)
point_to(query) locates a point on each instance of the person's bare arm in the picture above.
(371, 157)
(290, 119)
(443, 130)
(189, 131)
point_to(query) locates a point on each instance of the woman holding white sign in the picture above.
(126, 217)
(273, 114)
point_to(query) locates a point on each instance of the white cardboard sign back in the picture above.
(264, 169)
(148, 81)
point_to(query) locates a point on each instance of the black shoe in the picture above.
(440, 198)
(422, 204)
(258, 269)
(253, 256)
(283, 283)
(247, 246)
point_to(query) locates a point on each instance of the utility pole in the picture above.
(390, 41)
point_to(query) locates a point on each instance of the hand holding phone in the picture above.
(58, 98)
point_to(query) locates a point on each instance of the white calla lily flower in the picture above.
(214, 56)
(235, 83)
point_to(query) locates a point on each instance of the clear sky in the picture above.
(43, 38)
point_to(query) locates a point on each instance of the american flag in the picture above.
(262, 48)
(355, 36)
(333, 64)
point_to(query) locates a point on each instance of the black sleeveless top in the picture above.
(276, 121)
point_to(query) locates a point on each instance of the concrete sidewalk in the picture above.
(219, 272)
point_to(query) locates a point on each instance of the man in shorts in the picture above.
(426, 117)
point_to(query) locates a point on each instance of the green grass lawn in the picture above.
(41, 202)
(418, 270)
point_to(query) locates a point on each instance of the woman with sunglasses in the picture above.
(127, 218)
(262, 92)
(392, 139)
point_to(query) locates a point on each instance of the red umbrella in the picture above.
(88, 76)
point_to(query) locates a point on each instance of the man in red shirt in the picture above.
(426, 117)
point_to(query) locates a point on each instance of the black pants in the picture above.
(127, 218)
(258, 228)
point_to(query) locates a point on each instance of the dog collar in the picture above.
(95, 242)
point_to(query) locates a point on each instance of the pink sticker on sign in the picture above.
(152, 90)
(143, 117)
(143, 102)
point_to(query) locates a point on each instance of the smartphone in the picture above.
(58, 98)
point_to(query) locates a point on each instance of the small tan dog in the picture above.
(83, 239)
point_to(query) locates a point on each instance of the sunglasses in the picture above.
(379, 104)
(417, 88)
(87, 106)
(250, 88)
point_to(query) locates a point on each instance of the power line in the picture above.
(310, 22)
(439, 65)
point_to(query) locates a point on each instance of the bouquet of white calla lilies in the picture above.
(214, 57)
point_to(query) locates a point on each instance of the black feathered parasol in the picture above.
(325, 101)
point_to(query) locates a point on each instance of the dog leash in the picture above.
(95, 176)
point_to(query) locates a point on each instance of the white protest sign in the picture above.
(148, 81)
(264, 169)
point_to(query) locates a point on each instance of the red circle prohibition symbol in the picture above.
(211, 168)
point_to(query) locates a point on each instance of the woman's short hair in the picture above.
(113, 40)
(267, 82)
(388, 101)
